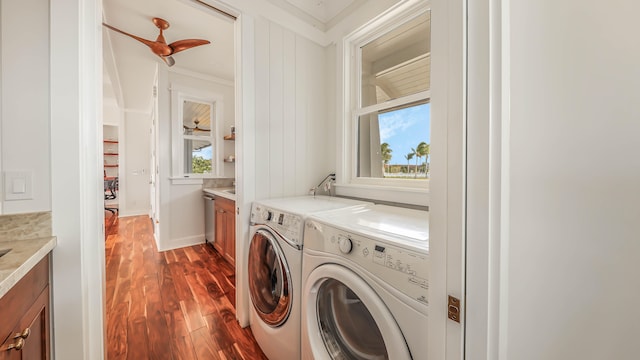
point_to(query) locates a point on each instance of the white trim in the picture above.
(384, 193)
(245, 147)
(179, 94)
(186, 181)
(348, 181)
(137, 111)
(423, 95)
(182, 242)
(197, 75)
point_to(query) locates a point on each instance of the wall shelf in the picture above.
(110, 154)
(110, 166)
(230, 137)
(111, 141)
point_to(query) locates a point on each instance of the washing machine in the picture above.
(274, 269)
(365, 275)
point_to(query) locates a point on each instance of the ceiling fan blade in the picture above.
(182, 45)
(149, 43)
(168, 60)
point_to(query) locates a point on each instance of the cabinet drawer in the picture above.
(18, 301)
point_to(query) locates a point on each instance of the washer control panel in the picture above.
(403, 268)
(287, 225)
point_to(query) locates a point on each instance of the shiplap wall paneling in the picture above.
(262, 74)
(289, 132)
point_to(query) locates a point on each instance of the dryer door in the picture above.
(346, 319)
(269, 279)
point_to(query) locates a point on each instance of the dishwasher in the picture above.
(209, 219)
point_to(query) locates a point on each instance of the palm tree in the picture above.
(385, 152)
(423, 150)
(409, 156)
(415, 152)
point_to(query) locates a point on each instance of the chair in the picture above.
(110, 188)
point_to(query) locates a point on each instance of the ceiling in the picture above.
(134, 63)
(130, 65)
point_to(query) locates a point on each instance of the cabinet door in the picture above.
(219, 243)
(30, 339)
(230, 241)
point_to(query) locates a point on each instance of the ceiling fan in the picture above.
(160, 46)
(196, 128)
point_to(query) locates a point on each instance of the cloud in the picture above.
(393, 122)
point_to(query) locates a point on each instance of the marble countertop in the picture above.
(24, 255)
(224, 192)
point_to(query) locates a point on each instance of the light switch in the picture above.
(17, 185)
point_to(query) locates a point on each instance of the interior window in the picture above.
(391, 110)
(194, 137)
(196, 131)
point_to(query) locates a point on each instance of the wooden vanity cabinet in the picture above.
(24, 310)
(225, 221)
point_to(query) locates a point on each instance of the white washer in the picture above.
(275, 269)
(365, 275)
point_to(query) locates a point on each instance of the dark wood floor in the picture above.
(178, 304)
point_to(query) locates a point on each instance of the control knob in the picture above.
(345, 244)
(267, 215)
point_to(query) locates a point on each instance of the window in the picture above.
(388, 122)
(195, 120)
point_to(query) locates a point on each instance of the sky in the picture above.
(205, 152)
(404, 129)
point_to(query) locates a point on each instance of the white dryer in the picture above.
(274, 269)
(365, 275)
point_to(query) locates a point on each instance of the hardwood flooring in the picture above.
(178, 304)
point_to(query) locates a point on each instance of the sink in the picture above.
(230, 191)
(4, 252)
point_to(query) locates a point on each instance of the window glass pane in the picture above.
(395, 143)
(196, 118)
(397, 63)
(198, 155)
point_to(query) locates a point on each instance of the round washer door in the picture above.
(269, 279)
(346, 319)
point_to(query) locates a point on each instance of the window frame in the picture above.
(352, 106)
(179, 95)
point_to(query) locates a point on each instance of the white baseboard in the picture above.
(183, 242)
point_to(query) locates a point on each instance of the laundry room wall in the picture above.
(561, 191)
(24, 101)
(292, 137)
(134, 169)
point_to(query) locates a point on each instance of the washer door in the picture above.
(346, 319)
(269, 279)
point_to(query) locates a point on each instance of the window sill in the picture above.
(186, 181)
(409, 196)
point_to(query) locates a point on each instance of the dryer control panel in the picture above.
(289, 226)
(403, 268)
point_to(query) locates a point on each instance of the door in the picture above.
(343, 315)
(269, 279)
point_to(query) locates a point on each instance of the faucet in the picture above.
(325, 184)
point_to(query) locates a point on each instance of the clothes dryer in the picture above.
(365, 275)
(274, 269)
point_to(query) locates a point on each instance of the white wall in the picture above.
(574, 200)
(181, 205)
(293, 140)
(24, 99)
(134, 165)
(563, 252)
